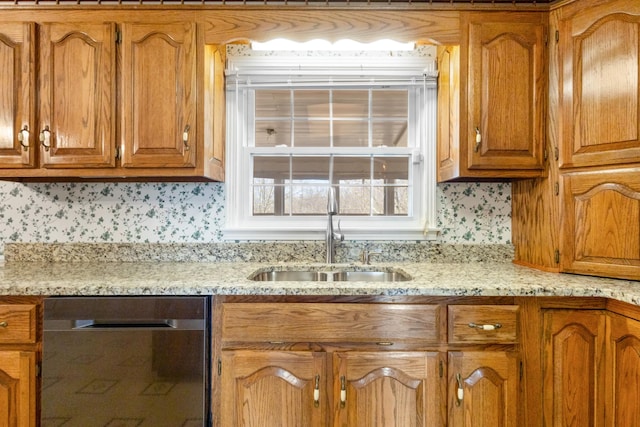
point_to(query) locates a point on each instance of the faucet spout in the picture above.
(331, 236)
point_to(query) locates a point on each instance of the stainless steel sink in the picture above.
(370, 276)
(342, 275)
(292, 276)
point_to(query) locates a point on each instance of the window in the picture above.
(298, 125)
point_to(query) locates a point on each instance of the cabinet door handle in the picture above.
(486, 327)
(343, 391)
(185, 137)
(316, 392)
(4, 324)
(45, 138)
(478, 139)
(23, 137)
(460, 390)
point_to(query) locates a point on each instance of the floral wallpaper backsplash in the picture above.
(472, 213)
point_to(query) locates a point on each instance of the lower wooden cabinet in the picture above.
(483, 388)
(387, 389)
(273, 388)
(592, 369)
(574, 360)
(280, 367)
(623, 371)
(17, 388)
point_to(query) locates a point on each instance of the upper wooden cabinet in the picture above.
(159, 119)
(17, 95)
(77, 95)
(600, 84)
(601, 223)
(116, 100)
(491, 122)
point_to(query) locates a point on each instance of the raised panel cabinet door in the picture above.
(449, 112)
(17, 95)
(403, 389)
(601, 224)
(159, 95)
(623, 362)
(17, 389)
(483, 389)
(507, 89)
(77, 95)
(273, 388)
(600, 69)
(573, 388)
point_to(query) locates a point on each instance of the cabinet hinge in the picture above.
(521, 371)
(38, 370)
(440, 369)
(219, 367)
(556, 189)
(556, 256)
(118, 37)
(557, 36)
(117, 153)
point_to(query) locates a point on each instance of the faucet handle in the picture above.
(365, 257)
(340, 235)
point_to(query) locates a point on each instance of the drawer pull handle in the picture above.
(460, 390)
(23, 137)
(478, 140)
(4, 324)
(486, 327)
(316, 392)
(185, 137)
(343, 392)
(45, 138)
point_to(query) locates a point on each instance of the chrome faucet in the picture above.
(331, 236)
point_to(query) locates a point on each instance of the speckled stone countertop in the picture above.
(232, 278)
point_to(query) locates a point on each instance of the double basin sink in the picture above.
(337, 275)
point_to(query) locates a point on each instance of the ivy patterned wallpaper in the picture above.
(475, 213)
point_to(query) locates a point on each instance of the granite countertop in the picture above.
(232, 278)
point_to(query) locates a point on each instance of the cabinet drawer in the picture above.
(329, 322)
(17, 323)
(483, 323)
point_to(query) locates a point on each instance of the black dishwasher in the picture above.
(126, 361)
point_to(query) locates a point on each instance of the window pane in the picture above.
(306, 200)
(389, 103)
(355, 197)
(390, 200)
(312, 134)
(311, 169)
(276, 168)
(352, 168)
(264, 198)
(271, 133)
(390, 134)
(351, 134)
(391, 168)
(351, 103)
(273, 103)
(311, 103)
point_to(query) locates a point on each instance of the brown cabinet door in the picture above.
(573, 389)
(601, 225)
(17, 388)
(159, 95)
(507, 89)
(77, 93)
(273, 388)
(388, 389)
(17, 95)
(483, 389)
(600, 72)
(623, 360)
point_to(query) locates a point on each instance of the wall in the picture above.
(477, 213)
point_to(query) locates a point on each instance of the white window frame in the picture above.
(242, 225)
